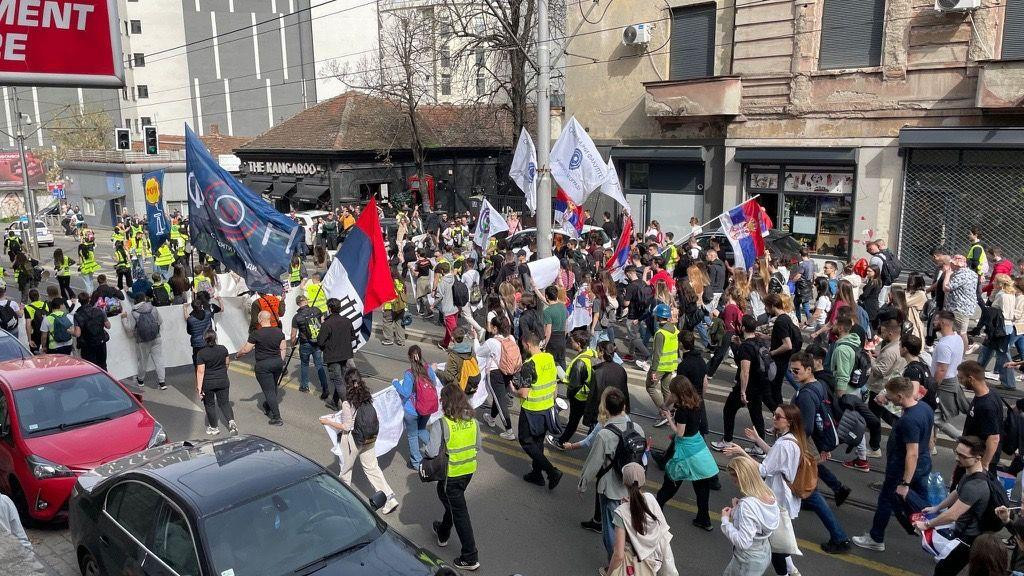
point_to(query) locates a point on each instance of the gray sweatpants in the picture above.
(146, 351)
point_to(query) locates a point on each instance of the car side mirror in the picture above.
(378, 500)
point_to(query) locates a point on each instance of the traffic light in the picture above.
(123, 137)
(152, 147)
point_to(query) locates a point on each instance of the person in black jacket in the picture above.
(336, 340)
(606, 374)
(693, 366)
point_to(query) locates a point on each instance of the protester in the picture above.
(306, 326)
(688, 448)
(417, 392)
(199, 321)
(270, 345)
(750, 521)
(56, 330)
(641, 530)
(749, 389)
(536, 387)
(144, 322)
(212, 384)
(91, 325)
(336, 338)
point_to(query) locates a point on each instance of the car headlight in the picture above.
(159, 436)
(42, 468)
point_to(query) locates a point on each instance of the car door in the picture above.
(126, 527)
(173, 548)
(7, 447)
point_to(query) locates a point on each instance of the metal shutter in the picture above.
(692, 42)
(851, 34)
(1013, 30)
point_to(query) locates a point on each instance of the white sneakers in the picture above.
(509, 434)
(645, 366)
(211, 431)
(865, 541)
(389, 506)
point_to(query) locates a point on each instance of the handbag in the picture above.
(783, 539)
(435, 469)
(631, 565)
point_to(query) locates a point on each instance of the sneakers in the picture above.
(537, 479)
(387, 343)
(720, 445)
(232, 428)
(876, 486)
(755, 451)
(439, 345)
(554, 442)
(875, 453)
(833, 547)
(509, 434)
(972, 349)
(488, 420)
(211, 431)
(841, 495)
(705, 527)
(389, 506)
(591, 525)
(661, 423)
(554, 479)
(866, 541)
(435, 527)
(991, 376)
(162, 386)
(857, 464)
(645, 366)
(275, 422)
(466, 564)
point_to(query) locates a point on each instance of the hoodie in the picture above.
(459, 353)
(843, 360)
(130, 320)
(446, 300)
(751, 520)
(655, 545)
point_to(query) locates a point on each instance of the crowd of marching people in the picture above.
(829, 352)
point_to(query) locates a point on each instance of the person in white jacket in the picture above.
(640, 522)
(750, 521)
(10, 522)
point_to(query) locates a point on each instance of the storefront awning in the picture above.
(257, 186)
(311, 192)
(796, 155)
(682, 153)
(962, 138)
(281, 189)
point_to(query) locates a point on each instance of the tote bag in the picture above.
(783, 539)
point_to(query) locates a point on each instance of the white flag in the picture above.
(576, 164)
(524, 169)
(489, 223)
(612, 188)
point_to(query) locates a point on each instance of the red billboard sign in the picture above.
(60, 43)
(10, 169)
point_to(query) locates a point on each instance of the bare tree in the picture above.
(90, 130)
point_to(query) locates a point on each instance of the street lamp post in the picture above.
(543, 132)
(30, 200)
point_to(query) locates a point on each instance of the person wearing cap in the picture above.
(665, 358)
(650, 539)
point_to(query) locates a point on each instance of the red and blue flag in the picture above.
(746, 226)
(569, 214)
(621, 255)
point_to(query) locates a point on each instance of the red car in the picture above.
(59, 418)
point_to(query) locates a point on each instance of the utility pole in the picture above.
(30, 200)
(543, 132)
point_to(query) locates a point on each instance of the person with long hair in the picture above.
(740, 283)
(750, 521)
(357, 443)
(870, 292)
(640, 524)
(895, 308)
(916, 297)
(62, 270)
(1003, 298)
(212, 383)
(500, 344)
(415, 423)
(688, 447)
(844, 299)
(458, 435)
(988, 557)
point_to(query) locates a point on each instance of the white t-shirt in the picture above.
(822, 308)
(948, 350)
(488, 354)
(14, 305)
(47, 327)
(471, 278)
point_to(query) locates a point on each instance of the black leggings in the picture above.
(212, 399)
(64, 282)
(779, 563)
(124, 278)
(499, 398)
(701, 489)
(732, 406)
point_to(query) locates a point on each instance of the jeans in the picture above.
(887, 501)
(804, 307)
(416, 432)
(608, 507)
(212, 399)
(829, 478)
(1005, 374)
(452, 493)
(634, 334)
(307, 349)
(164, 272)
(816, 503)
(268, 372)
(719, 354)
(89, 283)
(336, 370)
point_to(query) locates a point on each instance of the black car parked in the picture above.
(232, 507)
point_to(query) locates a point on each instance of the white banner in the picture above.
(544, 272)
(612, 188)
(576, 164)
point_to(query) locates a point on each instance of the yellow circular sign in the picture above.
(152, 191)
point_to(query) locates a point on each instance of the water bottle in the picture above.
(936, 489)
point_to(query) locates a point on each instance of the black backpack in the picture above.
(631, 448)
(9, 318)
(161, 295)
(37, 321)
(989, 521)
(861, 366)
(91, 320)
(366, 426)
(920, 372)
(765, 362)
(460, 293)
(891, 267)
(824, 434)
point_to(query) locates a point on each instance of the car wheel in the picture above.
(87, 564)
(20, 502)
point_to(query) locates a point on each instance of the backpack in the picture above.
(460, 293)
(861, 366)
(309, 322)
(646, 295)
(474, 295)
(632, 447)
(469, 375)
(891, 267)
(824, 434)
(1009, 436)
(920, 372)
(9, 318)
(37, 321)
(92, 319)
(147, 328)
(806, 480)
(796, 338)
(366, 426)
(424, 396)
(851, 429)
(765, 362)
(161, 295)
(61, 327)
(989, 521)
(511, 359)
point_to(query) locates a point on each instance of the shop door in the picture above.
(947, 192)
(670, 193)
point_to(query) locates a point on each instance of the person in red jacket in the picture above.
(1000, 265)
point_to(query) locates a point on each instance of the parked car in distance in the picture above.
(307, 218)
(59, 418)
(43, 235)
(524, 238)
(780, 244)
(11, 348)
(240, 505)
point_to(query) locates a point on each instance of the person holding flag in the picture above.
(746, 226)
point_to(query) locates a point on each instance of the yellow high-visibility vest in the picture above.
(542, 393)
(461, 446)
(668, 356)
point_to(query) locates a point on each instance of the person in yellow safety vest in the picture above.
(164, 260)
(459, 433)
(392, 330)
(122, 266)
(295, 272)
(35, 311)
(175, 230)
(670, 254)
(143, 248)
(87, 265)
(12, 244)
(62, 270)
(664, 357)
(315, 293)
(118, 235)
(536, 387)
(163, 295)
(579, 385)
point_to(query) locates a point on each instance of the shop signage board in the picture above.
(294, 168)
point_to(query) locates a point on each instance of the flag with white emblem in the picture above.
(524, 169)
(489, 223)
(576, 164)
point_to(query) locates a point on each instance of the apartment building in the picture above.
(894, 119)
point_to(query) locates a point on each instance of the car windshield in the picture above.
(12, 349)
(288, 529)
(66, 404)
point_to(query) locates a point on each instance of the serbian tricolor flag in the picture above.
(746, 226)
(621, 255)
(359, 275)
(569, 214)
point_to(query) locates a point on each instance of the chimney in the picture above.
(214, 130)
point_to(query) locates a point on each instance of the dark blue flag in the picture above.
(156, 219)
(233, 225)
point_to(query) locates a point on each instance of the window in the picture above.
(128, 123)
(479, 57)
(1013, 31)
(143, 91)
(146, 121)
(124, 94)
(172, 542)
(851, 34)
(3, 410)
(480, 86)
(692, 51)
(88, 205)
(446, 84)
(446, 56)
(136, 26)
(72, 403)
(133, 505)
(444, 28)
(139, 60)
(638, 175)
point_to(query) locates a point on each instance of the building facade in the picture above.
(850, 121)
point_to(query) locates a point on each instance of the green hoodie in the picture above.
(843, 360)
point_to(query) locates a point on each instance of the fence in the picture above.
(948, 192)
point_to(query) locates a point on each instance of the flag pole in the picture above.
(754, 197)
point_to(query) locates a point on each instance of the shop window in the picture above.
(1013, 31)
(817, 208)
(851, 34)
(638, 175)
(692, 42)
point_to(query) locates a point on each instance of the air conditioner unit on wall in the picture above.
(956, 5)
(636, 35)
